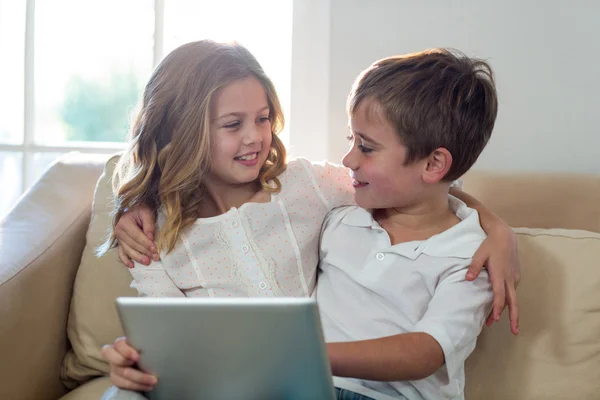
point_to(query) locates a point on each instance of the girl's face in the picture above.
(240, 133)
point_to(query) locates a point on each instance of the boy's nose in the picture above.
(350, 160)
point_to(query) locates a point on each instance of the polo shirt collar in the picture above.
(460, 241)
(360, 217)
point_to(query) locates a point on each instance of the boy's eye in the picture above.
(364, 149)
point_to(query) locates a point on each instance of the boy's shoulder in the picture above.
(352, 215)
(463, 239)
(348, 217)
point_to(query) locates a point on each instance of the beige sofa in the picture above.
(56, 297)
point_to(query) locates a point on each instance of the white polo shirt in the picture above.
(369, 289)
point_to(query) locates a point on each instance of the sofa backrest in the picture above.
(539, 200)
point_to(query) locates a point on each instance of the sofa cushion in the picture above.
(557, 352)
(93, 320)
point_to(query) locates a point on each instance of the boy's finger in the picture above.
(129, 225)
(123, 257)
(132, 236)
(146, 217)
(135, 255)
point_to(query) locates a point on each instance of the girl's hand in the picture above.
(123, 372)
(499, 254)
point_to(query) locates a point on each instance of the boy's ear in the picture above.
(438, 164)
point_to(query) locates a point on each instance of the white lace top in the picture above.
(259, 249)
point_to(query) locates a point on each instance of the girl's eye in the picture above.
(232, 125)
(364, 149)
(263, 119)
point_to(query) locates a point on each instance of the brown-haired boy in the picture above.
(392, 290)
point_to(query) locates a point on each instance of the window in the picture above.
(73, 70)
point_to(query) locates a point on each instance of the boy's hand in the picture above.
(499, 254)
(135, 235)
(123, 373)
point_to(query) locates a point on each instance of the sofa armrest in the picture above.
(41, 240)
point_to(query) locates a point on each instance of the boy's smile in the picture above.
(357, 183)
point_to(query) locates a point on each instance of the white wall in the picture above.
(308, 117)
(546, 56)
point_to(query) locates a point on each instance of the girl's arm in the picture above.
(153, 281)
(499, 254)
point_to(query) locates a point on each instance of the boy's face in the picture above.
(376, 158)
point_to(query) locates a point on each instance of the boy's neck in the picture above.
(418, 221)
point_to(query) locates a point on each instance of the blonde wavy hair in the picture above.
(168, 155)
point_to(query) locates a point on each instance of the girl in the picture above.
(234, 219)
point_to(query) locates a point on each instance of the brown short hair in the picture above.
(434, 98)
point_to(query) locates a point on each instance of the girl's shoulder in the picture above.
(299, 172)
(316, 171)
(329, 183)
(296, 170)
(298, 164)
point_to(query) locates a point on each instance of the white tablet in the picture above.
(243, 348)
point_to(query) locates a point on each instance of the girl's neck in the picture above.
(220, 198)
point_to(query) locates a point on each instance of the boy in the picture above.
(392, 291)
